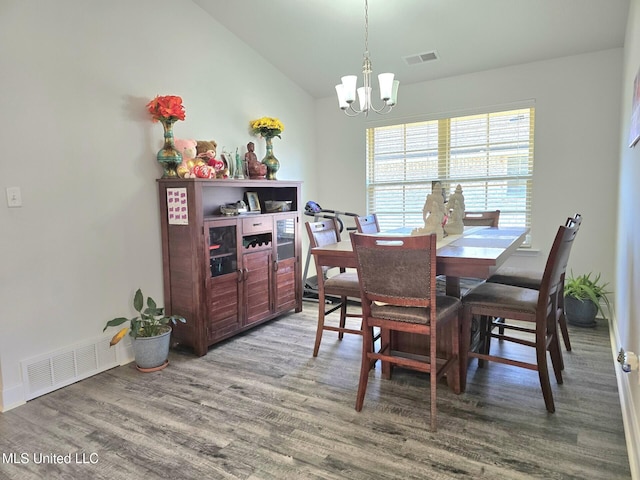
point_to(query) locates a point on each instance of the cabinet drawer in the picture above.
(257, 224)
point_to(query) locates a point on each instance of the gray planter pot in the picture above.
(581, 313)
(151, 352)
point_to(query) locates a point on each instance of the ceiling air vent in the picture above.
(421, 58)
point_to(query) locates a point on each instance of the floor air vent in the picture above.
(46, 373)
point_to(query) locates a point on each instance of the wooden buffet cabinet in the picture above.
(226, 274)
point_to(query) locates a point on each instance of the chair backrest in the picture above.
(556, 267)
(323, 233)
(396, 270)
(485, 219)
(368, 224)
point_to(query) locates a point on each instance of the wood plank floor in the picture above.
(260, 407)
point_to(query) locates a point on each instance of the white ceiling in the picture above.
(315, 42)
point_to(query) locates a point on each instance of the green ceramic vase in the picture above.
(270, 160)
(169, 157)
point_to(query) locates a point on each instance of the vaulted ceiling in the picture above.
(315, 42)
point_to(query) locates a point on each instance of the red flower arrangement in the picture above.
(168, 107)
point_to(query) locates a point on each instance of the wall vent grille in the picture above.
(421, 58)
(49, 372)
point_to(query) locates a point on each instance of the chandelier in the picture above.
(347, 89)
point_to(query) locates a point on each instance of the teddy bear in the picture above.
(207, 152)
(188, 150)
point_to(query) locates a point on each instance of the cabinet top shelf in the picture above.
(233, 182)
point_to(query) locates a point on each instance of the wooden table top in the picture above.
(477, 253)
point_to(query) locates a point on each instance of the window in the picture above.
(490, 155)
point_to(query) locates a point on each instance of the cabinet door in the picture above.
(224, 278)
(257, 281)
(285, 262)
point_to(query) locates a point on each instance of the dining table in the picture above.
(476, 253)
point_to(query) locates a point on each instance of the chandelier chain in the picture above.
(366, 27)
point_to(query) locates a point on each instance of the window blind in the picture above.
(490, 155)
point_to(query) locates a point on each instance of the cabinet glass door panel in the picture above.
(285, 238)
(223, 250)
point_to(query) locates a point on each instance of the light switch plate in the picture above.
(14, 197)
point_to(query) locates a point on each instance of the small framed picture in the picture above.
(253, 202)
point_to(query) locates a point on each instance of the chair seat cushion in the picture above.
(445, 306)
(502, 297)
(517, 277)
(346, 284)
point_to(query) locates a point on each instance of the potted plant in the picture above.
(582, 296)
(150, 332)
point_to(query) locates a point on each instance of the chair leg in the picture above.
(485, 338)
(465, 342)
(433, 384)
(320, 327)
(343, 316)
(543, 374)
(365, 365)
(565, 332)
(556, 356)
(453, 375)
(385, 345)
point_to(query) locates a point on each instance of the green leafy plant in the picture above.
(583, 287)
(150, 322)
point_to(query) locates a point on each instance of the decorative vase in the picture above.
(270, 161)
(169, 157)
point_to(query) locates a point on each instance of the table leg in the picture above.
(453, 286)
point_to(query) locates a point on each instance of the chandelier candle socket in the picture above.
(167, 110)
(346, 91)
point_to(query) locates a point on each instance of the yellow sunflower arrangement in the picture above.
(267, 127)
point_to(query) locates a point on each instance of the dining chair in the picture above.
(342, 285)
(533, 279)
(535, 311)
(484, 219)
(398, 291)
(368, 224)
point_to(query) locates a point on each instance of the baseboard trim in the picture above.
(11, 398)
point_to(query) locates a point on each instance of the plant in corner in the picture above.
(582, 296)
(150, 331)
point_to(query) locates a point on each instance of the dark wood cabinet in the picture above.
(226, 274)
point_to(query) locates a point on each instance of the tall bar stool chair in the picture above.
(533, 279)
(342, 285)
(537, 309)
(398, 290)
(367, 224)
(483, 219)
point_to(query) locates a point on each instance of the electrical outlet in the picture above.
(14, 197)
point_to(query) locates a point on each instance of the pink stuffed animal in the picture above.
(187, 147)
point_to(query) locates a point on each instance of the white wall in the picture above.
(78, 141)
(627, 328)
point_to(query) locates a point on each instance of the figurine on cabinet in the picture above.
(256, 169)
